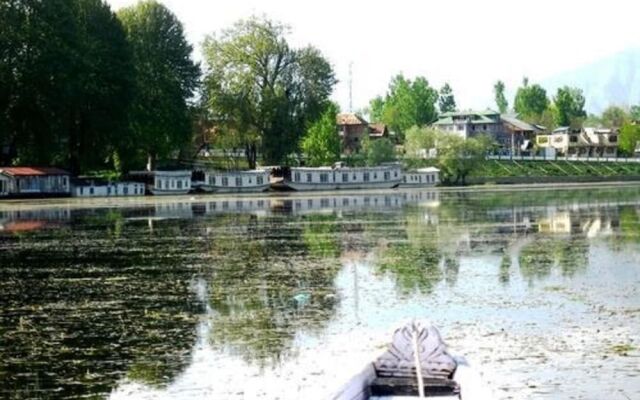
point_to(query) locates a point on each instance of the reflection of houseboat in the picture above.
(421, 177)
(330, 178)
(171, 182)
(236, 181)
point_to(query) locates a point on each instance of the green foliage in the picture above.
(634, 113)
(165, 79)
(614, 117)
(263, 90)
(417, 139)
(407, 103)
(629, 139)
(569, 103)
(322, 144)
(457, 156)
(530, 101)
(378, 151)
(501, 100)
(65, 78)
(446, 102)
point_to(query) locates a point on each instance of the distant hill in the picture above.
(611, 80)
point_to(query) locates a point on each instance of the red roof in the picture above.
(32, 171)
(350, 119)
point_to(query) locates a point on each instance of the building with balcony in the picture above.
(512, 135)
(586, 142)
(353, 127)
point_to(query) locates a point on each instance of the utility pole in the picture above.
(351, 87)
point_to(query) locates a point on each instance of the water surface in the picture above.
(287, 296)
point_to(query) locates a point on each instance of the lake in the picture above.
(286, 296)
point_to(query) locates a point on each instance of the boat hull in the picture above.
(169, 192)
(235, 189)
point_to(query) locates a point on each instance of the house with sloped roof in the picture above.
(34, 181)
(353, 127)
(510, 133)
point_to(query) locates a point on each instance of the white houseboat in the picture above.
(338, 177)
(236, 181)
(33, 181)
(171, 182)
(421, 177)
(99, 188)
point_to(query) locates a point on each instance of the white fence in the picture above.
(581, 159)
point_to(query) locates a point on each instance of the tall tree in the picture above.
(530, 101)
(501, 100)
(457, 156)
(419, 139)
(614, 117)
(165, 79)
(376, 109)
(407, 103)
(321, 144)
(634, 113)
(264, 90)
(446, 102)
(569, 104)
(67, 89)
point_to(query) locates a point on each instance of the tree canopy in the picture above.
(446, 102)
(457, 156)
(614, 117)
(264, 90)
(501, 100)
(569, 103)
(164, 81)
(530, 101)
(65, 78)
(629, 138)
(321, 144)
(418, 139)
(378, 151)
(407, 103)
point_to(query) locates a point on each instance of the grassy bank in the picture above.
(552, 171)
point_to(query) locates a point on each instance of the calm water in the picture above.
(286, 297)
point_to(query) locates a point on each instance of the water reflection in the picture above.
(96, 297)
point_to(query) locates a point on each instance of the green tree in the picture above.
(263, 89)
(530, 101)
(165, 80)
(615, 117)
(569, 103)
(457, 156)
(446, 102)
(65, 74)
(418, 139)
(407, 103)
(321, 144)
(634, 113)
(378, 151)
(376, 109)
(501, 100)
(629, 138)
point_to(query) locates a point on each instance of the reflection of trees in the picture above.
(268, 284)
(629, 228)
(104, 301)
(568, 253)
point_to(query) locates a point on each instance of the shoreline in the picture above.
(133, 201)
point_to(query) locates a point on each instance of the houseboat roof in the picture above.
(350, 119)
(32, 171)
(427, 169)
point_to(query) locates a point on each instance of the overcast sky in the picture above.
(468, 43)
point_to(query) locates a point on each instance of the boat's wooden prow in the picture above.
(416, 363)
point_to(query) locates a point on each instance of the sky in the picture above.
(468, 43)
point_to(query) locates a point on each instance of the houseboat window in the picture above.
(212, 180)
(225, 181)
(81, 190)
(404, 178)
(249, 181)
(108, 189)
(238, 181)
(1, 186)
(259, 180)
(179, 185)
(91, 190)
(125, 190)
(64, 180)
(387, 175)
(345, 177)
(308, 177)
(365, 177)
(375, 175)
(395, 174)
(354, 177)
(324, 178)
(296, 177)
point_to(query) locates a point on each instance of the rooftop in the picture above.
(350, 119)
(32, 171)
